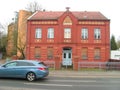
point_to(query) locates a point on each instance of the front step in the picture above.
(67, 67)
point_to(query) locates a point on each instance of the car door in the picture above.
(22, 68)
(8, 70)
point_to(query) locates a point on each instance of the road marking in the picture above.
(77, 81)
(48, 84)
(70, 85)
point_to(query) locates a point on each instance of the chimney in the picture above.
(67, 8)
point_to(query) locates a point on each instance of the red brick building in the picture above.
(68, 36)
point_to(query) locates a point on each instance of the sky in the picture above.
(109, 8)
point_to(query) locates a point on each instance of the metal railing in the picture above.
(90, 65)
(99, 65)
(113, 66)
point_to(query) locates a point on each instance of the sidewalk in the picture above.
(85, 74)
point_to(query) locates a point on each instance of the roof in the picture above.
(54, 15)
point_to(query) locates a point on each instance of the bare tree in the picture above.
(33, 7)
(2, 33)
(3, 40)
(21, 47)
(21, 43)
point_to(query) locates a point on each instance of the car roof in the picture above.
(31, 61)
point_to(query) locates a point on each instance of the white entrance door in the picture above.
(67, 58)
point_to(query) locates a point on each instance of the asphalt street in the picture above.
(61, 83)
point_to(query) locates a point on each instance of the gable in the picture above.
(67, 21)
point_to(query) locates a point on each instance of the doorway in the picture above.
(67, 57)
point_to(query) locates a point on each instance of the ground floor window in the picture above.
(97, 53)
(84, 53)
(50, 52)
(37, 52)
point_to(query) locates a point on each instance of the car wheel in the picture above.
(31, 76)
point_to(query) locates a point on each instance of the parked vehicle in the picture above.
(28, 69)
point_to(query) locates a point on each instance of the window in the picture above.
(97, 53)
(67, 33)
(69, 55)
(37, 52)
(64, 55)
(84, 53)
(25, 64)
(97, 33)
(12, 64)
(84, 33)
(50, 53)
(38, 33)
(50, 33)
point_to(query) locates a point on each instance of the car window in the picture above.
(42, 63)
(12, 64)
(25, 64)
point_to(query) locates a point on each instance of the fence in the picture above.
(113, 66)
(50, 64)
(99, 65)
(90, 65)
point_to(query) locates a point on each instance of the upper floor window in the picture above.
(38, 33)
(67, 33)
(50, 33)
(97, 33)
(84, 33)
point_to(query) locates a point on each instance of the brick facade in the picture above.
(73, 37)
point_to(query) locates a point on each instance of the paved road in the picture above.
(61, 83)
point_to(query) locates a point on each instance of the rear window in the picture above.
(42, 63)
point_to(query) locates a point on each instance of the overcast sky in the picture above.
(109, 8)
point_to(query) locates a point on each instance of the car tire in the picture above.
(30, 76)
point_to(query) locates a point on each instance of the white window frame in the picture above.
(38, 33)
(67, 33)
(84, 33)
(97, 33)
(50, 33)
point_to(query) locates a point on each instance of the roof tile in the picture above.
(48, 15)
